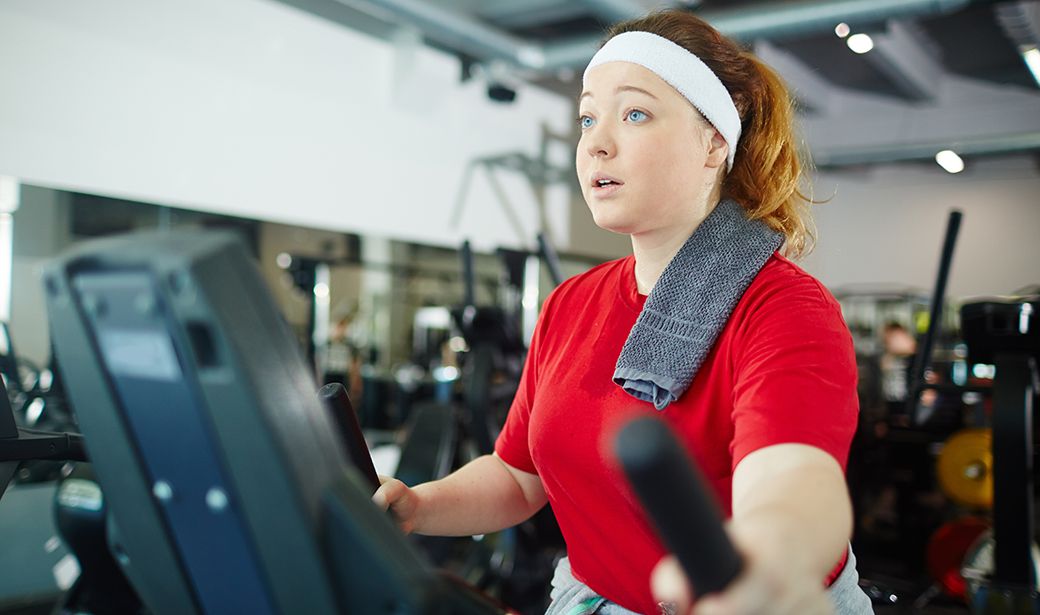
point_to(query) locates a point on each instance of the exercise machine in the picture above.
(226, 483)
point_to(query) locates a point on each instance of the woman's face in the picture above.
(646, 159)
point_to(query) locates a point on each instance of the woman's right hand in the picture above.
(400, 500)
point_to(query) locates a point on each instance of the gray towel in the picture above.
(691, 303)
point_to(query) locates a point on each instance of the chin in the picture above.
(607, 223)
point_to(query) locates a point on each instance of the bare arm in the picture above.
(485, 495)
(791, 522)
(791, 500)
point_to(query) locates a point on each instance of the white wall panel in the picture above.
(251, 108)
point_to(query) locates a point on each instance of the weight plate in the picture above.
(947, 549)
(965, 468)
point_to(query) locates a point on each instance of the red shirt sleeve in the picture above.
(795, 373)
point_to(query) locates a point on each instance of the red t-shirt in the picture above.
(782, 370)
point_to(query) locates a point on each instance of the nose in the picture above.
(599, 143)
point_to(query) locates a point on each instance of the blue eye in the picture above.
(586, 121)
(635, 115)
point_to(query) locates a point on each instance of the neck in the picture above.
(653, 250)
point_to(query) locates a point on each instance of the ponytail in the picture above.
(767, 173)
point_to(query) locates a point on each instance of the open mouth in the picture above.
(606, 182)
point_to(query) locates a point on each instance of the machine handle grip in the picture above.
(336, 401)
(680, 506)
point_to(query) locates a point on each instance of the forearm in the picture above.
(481, 497)
(800, 512)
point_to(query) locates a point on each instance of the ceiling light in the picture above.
(860, 43)
(950, 161)
(842, 29)
(1032, 57)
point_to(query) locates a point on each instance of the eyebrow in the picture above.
(621, 88)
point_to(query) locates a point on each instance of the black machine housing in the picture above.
(1001, 325)
(229, 489)
(1006, 333)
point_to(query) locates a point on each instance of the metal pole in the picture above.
(923, 358)
(9, 200)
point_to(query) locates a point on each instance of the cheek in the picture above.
(686, 148)
(673, 162)
(581, 171)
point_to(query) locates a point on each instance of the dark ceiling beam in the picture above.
(1020, 21)
(524, 15)
(471, 36)
(775, 21)
(903, 55)
(981, 146)
(810, 89)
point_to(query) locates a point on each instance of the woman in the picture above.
(683, 134)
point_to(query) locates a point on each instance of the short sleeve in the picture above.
(795, 374)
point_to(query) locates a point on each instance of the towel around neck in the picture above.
(691, 303)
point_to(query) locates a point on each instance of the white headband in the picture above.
(683, 71)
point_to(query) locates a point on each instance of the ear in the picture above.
(718, 150)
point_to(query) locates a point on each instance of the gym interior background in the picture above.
(354, 146)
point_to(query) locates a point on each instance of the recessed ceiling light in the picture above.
(842, 29)
(950, 161)
(860, 43)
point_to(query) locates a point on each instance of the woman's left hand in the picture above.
(768, 585)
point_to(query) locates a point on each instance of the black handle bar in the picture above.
(681, 508)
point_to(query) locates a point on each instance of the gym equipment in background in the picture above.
(37, 401)
(493, 336)
(35, 393)
(891, 464)
(965, 467)
(81, 519)
(923, 358)
(976, 574)
(547, 252)
(19, 444)
(79, 512)
(1005, 333)
(947, 549)
(517, 562)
